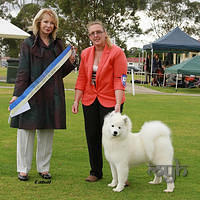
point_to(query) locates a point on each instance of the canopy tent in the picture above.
(187, 67)
(8, 30)
(175, 40)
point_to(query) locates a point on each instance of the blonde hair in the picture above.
(108, 41)
(38, 18)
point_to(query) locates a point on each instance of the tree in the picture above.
(5, 8)
(118, 16)
(26, 15)
(23, 20)
(169, 14)
(134, 52)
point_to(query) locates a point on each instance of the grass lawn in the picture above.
(70, 80)
(173, 89)
(3, 71)
(70, 166)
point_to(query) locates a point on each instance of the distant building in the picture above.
(134, 63)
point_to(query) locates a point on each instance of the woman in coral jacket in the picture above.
(100, 86)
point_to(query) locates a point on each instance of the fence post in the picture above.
(133, 83)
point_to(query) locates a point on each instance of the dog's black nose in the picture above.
(114, 133)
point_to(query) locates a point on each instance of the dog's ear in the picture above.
(127, 122)
(125, 118)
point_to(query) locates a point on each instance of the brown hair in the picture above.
(38, 18)
(108, 41)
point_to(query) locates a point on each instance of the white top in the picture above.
(95, 68)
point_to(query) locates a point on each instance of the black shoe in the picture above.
(22, 178)
(45, 176)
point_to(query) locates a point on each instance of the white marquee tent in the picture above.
(9, 30)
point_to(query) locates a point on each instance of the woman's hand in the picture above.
(117, 107)
(78, 95)
(72, 58)
(12, 100)
(75, 107)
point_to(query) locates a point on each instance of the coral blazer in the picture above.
(110, 76)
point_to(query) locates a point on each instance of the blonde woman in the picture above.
(48, 104)
(100, 84)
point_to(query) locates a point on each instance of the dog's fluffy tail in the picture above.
(150, 132)
(155, 129)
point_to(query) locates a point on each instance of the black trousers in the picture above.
(94, 116)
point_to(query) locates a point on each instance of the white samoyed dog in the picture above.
(123, 149)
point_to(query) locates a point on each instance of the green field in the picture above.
(3, 71)
(70, 166)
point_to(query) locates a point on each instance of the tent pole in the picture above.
(151, 65)
(176, 82)
(164, 80)
(133, 82)
(142, 60)
(142, 65)
(145, 64)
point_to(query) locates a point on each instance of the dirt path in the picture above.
(144, 90)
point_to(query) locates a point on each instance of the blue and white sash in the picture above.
(21, 104)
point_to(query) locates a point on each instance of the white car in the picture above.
(4, 63)
(134, 67)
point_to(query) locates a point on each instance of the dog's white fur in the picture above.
(123, 149)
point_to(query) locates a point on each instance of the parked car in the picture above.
(134, 67)
(4, 63)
